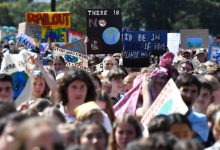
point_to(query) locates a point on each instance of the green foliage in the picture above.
(171, 15)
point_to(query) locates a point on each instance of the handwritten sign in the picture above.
(77, 46)
(168, 101)
(143, 48)
(25, 40)
(54, 25)
(72, 58)
(19, 67)
(173, 43)
(104, 31)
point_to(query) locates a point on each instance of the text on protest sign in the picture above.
(72, 58)
(77, 46)
(143, 48)
(168, 101)
(104, 31)
(26, 41)
(54, 25)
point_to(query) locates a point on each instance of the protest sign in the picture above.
(104, 31)
(19, 67)
(168, 101)
(26, 41)
(55, 25)
(142, 48)
(173, 43)
(29, 29)
(194, 38)
(72, 58)
(74, 36)
(1, 35)
(214, 53)
(77, 46)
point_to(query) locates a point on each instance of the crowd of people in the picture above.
(72, 108)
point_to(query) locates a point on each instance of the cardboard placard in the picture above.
(168, 101)
(54, 25)
(104, 31)
(142, 48)
(29, 29)
(72, 58)
(77, 46)
(194, 38)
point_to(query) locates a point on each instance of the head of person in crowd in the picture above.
(37, 133)
(116, 76)
(41, 104)
(97, 82)
(88, 111)
(92, 62)
(200, 69)
(6, 108)
(12, 45)
(12, 121)
(188, 145)
(93, 134)
(58, 64)
(75, 88)
(106, 85)
(157, 141)
(67, 133)
(201, 55)
(128, 81)
(79, 147)
(216, 126)
(158, 124)
(53, 112)
(185, 54)
(189, 87)
(179, 126)
(204, 99)
(105, 103)
(185, 66)
(40, 86)
(214, 82)
(6, 87)
(211, 113)
(109, 62)
(126, 129)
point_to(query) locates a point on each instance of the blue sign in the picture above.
(144, 47)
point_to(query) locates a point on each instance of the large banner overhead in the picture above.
(104, 31)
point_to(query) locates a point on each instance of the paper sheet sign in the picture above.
(168, 101)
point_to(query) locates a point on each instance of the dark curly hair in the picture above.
(71, 75)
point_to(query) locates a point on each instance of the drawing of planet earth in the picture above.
(111, 35)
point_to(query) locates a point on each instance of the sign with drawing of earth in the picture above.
(104, 29)
(111, 35)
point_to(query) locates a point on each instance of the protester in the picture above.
(92, 134)
(126, 129)
(6, 87)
